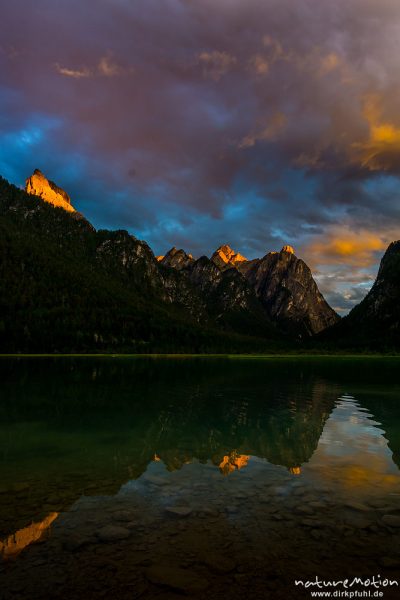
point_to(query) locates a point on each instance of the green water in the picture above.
(152, 477)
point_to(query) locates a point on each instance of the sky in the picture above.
(195, 123)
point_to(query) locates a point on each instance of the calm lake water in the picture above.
(208, 477)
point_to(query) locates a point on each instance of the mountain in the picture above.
(38, 185)
(280, 285)
(285, 287)
(69, 288)
(225, 258)
(229, 299)
(177, 259)
(375, 322)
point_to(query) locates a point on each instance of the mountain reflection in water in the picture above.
(256, 447)
(91, 425)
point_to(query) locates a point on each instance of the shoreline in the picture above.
(188, 355)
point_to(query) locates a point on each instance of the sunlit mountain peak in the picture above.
(38, 185)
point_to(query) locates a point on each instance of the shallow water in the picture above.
(226, 478)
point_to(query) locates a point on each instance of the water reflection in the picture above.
(233, 461)
(291, 452)
(353, 453)
(18, 541)
(69, 428)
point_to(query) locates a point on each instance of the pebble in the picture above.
(75, 542)
(391, 520)
(317, 505)
(122, 516)
(308, 499)
(232, 509)
(377, 503)
(20, 487)
(177, 579)
(154, 479)
(304, 510)
(111, 533)
(357, 506)
(281, 491)
(312, 523)
(179, 511)
(317, 535)
(359, 522)
(220, 564)
(208, 512)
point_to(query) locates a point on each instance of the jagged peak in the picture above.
(224, 256)
(288, 249)
(394, 247)
(178, 259)
(38, 185)
(174, 250)
(225, 249)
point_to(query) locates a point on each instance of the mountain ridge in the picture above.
(374, 323)
(38, 185)
(67, 286)
(281, 282)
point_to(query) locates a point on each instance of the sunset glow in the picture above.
(272, 126)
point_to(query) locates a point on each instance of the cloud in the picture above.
(259, 64)
(343, 302)
(106, 67)
(329, 63)
(345, 246)
(216, 64)
(273, 122)
(274, 47)
(265, 133)
(74, 73)
(381, 152)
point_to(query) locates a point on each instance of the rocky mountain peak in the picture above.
(38, 185)
(375, 322)
(285, 287)
(177, 259)
(224, 257)
(391, 256)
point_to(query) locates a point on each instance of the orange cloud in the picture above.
(267, 132)
(382, 149)
(346, 246)
(106, 67)
(216, 64)
(274, 48)
(329, 63)
(74, 73)
(259, 64)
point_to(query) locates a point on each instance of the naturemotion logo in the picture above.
(368, 587)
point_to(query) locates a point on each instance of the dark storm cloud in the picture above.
(199, 122)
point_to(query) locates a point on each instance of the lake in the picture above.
(220, 477)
